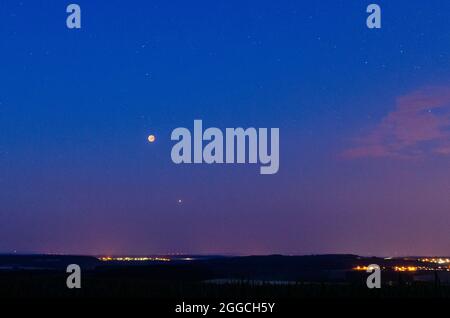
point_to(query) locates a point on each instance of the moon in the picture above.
(151, 138)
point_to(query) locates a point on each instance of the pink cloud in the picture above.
(418, 126)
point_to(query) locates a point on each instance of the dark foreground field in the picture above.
(127, 285)
(240, 278)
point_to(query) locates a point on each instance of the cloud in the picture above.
(418, 126)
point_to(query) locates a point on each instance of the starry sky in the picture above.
(364, 119)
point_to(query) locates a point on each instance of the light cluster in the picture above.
(435, 260)
(405, 268)
(134, 259)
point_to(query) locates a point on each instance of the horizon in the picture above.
(217, 255)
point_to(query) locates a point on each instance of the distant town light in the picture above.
(134, 259)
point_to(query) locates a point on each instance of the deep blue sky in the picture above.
(363, 117)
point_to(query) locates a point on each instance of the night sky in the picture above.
(364, 119)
